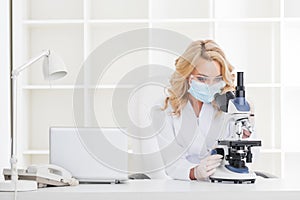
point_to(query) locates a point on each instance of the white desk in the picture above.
(167, 189)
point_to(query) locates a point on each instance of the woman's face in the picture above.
(208, 72)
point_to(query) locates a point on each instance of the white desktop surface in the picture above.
(167, 189)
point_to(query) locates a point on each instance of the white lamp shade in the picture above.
(54, 67)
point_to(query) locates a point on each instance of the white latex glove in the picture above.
(207, 166)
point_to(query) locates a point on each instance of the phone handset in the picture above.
(54, 174)
(48, 170)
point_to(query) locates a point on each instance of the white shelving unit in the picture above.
(258, 36)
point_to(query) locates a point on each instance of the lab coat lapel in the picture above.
(216, 130)
(187, 122)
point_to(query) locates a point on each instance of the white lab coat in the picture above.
(191, 137)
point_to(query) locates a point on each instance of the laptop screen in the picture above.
(90, 154)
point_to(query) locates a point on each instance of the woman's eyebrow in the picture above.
(207, 76)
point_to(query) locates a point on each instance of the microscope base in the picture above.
(223, 174)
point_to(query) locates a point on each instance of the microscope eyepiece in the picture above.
(240, 78)
(240, 89)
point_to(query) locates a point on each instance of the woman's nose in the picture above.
(209, 81)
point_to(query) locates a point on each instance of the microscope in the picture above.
(236, 151)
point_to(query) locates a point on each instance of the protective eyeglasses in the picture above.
(207, 79)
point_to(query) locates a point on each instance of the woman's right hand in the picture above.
(207, 166)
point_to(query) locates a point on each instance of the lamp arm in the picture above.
(14, 76)
(16, 72)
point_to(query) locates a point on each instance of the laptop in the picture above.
(90, 154)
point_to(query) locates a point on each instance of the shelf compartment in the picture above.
(54, 107)
(100, 110)
(247, 8)
(116, 73)
(118, 9)
(258, 47)
(192, 30)
(39, 159)
(99, 33)
(266, 106)
(290, 118)
(163, 58)
(54, 9)
(103, 108)
(121, 65)
(291, 165)
(291, 8)
(180, 9)
(290, 51)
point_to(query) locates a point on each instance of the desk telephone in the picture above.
(44, 175)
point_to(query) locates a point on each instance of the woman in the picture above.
(193, 123)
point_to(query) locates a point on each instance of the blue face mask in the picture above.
(203, 92)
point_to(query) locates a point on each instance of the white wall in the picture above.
(4, 85)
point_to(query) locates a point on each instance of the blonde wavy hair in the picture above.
(185, 64)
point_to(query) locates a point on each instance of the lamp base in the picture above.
(19, 185)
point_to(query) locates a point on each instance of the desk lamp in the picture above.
(53, 68)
